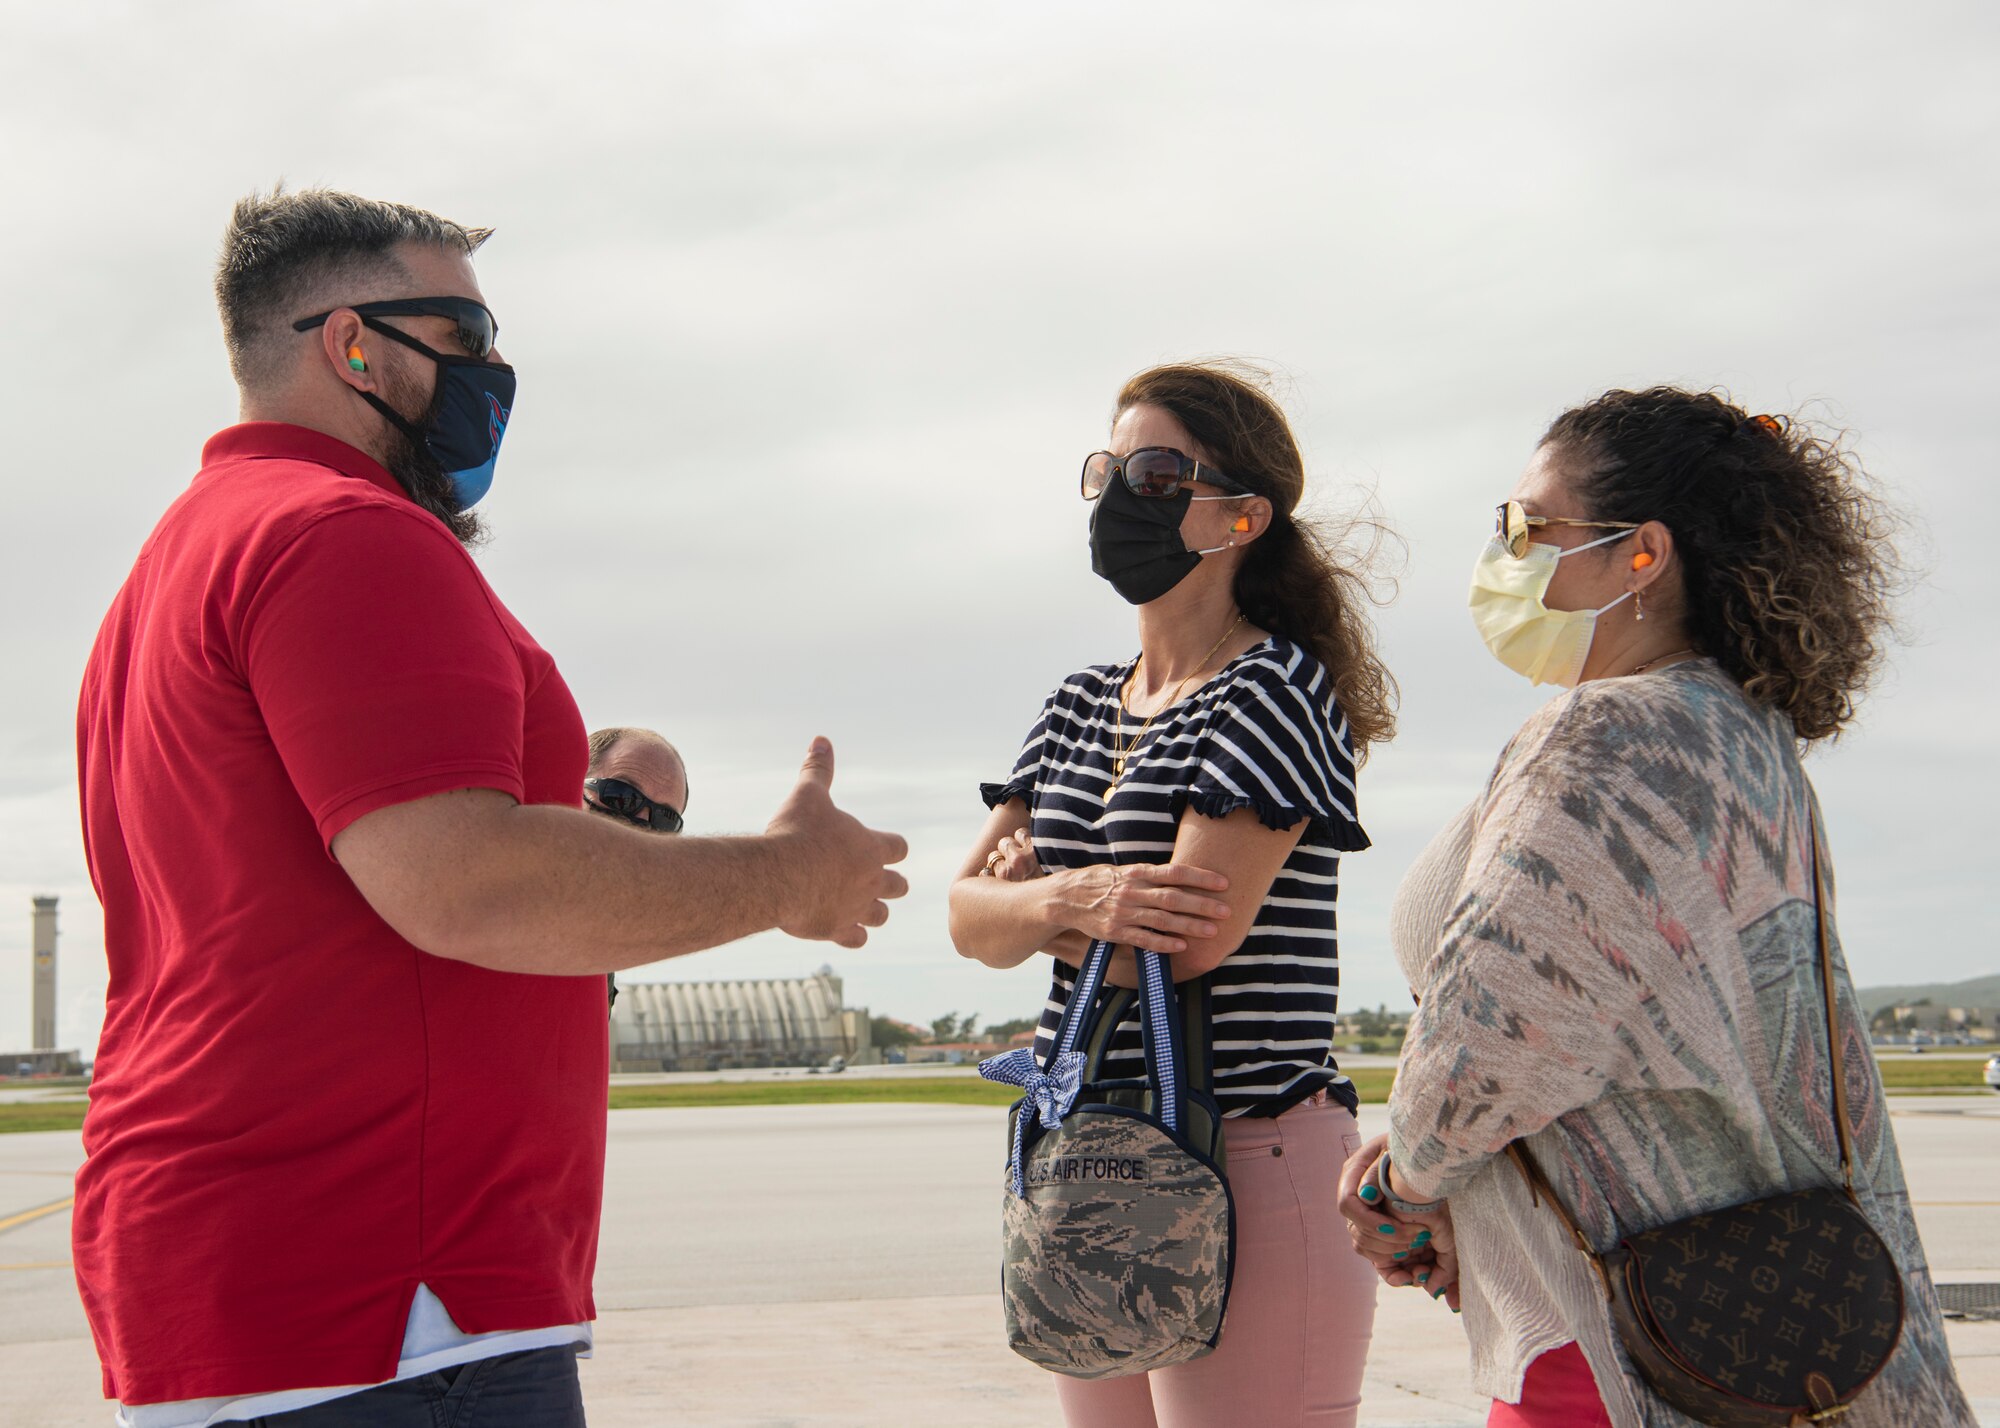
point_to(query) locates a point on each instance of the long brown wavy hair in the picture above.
(1295, 580)
(1788, 557)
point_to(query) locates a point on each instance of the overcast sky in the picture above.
(818, 306)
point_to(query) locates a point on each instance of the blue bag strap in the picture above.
(1159, 1019)
(1080, 1012)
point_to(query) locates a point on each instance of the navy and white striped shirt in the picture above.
(1265, 733)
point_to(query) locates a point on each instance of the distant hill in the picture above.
(1978, 992)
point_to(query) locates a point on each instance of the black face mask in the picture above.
(1135, 542)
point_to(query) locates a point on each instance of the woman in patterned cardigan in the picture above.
(1615, 947)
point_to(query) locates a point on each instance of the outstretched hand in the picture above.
(842, 867)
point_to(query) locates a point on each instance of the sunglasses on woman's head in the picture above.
(1513, 527)
(477, 328)
(621, 800)
(1156, 471)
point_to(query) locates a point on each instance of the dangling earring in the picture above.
(1639, 603)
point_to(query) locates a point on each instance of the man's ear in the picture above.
(344, 343)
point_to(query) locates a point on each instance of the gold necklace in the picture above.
(1641, 669)
(1124, 747)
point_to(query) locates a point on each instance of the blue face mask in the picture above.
(467, 418)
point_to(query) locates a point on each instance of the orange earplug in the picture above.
(1242, 524)
(356, 360)
(1641, 560)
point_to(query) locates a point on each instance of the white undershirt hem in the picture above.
(431, 1341)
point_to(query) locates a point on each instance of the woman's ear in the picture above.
(1251, 520)
(1651, 555)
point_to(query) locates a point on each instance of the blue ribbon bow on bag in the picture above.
(1050, 1093)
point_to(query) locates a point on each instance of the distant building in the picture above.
(42, 1058)
(953, 1053)
(713, 1026)
(1923, 1018)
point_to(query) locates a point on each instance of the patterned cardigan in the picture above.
(1627, 977)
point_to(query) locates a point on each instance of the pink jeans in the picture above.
(1301, 1308)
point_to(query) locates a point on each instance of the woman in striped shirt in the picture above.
(1195, 801)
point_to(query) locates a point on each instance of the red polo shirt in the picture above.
(297, 1117)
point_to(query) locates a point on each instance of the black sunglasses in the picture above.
(1156, 471)
(477, 328)
(621, 800)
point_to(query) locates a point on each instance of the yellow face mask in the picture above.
(1546, 646)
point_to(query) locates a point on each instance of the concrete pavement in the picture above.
(835, 1266)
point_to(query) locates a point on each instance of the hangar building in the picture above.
(710, 1026)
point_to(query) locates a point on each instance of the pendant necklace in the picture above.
(1127, 748)
(1657, 659)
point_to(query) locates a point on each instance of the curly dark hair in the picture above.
(1788, 557)
(1295, 580)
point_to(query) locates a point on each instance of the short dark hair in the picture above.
(285, 252)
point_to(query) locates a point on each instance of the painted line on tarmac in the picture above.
(44, 1264)
(35, 1214)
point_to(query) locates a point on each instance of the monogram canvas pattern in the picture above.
(1117, 1258)
(1760, 1298)
(1625, 977)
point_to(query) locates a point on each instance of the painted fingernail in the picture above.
(1423, 1237)
(1424, 1278)
(1402, 1254)
(1454, 1308)
(1370, 1194)
(1388, 1229)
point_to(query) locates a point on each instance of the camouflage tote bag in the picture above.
(1117, 1222)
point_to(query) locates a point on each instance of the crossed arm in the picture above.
(1195, 908)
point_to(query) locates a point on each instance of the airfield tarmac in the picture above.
(835, 1266)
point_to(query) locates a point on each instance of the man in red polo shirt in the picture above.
(346, 1137)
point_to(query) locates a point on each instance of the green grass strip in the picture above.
(1372, 1083)
(41, 1116)
(1902, 1075)
(1924, 1073)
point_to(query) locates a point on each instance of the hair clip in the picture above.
(1769, 424)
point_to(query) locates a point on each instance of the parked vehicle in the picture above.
(1993, 1072)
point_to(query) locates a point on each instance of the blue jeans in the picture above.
(536, 1389)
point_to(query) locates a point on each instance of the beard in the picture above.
(409, 460)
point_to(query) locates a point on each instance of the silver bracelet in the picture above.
(1401, 1207)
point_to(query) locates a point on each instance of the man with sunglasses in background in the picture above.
(637, 776)
(640, 778)
(346, 1133)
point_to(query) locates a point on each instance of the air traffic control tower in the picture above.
(43, 1059)
(45, 974)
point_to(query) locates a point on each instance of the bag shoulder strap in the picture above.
(1830, 995)
(1540, 1190)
